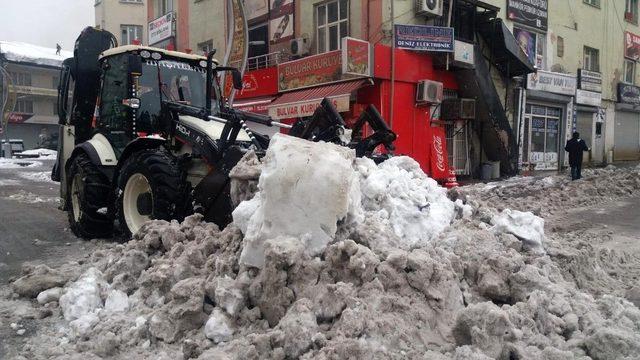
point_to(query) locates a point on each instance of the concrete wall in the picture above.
(110, 14)
(207, 22)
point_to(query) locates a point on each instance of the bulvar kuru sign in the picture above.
(425, 38)
(628, 94)
(327, 67)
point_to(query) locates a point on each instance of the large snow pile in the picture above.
(24, 52)
(475, 290)
(306, 189)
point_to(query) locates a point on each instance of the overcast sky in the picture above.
(45, 22)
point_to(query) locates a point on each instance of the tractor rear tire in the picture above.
(88, 192)
(151, 186)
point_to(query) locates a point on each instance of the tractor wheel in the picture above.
(88, 197)
(151, 185)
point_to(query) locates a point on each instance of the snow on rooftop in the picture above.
(23, 52)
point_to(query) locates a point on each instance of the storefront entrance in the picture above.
(542, 135)
(626, 136)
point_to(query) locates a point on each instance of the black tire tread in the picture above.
(97, 190)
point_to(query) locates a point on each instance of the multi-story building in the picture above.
(126, 19)
(533, 71)
(35, 74)
(168, 24)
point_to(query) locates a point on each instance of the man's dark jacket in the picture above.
(575, 147)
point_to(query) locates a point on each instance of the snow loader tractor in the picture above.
(147, 135)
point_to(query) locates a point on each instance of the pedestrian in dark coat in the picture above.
(576, 146)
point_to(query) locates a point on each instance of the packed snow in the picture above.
(41, 153)
(39, 176)
(24, 52)
(471, 275)
(6, 163)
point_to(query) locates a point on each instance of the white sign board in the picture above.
(585, 97)
(558, 83)
(160, 29)
(463, 52)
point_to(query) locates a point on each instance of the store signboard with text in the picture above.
(628, 94)
(589, 80)
(631, 46)
(558, 83)
(327, 67)
(532, 13)
(424, 38)
(160, 29)
(307, 108)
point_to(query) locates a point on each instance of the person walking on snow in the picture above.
(576, 146)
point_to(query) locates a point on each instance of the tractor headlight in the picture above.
(156, 56)
(145, 54)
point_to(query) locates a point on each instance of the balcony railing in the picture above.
(264, 61)
(34, 90)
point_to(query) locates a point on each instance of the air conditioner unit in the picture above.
(429, 92)
(458, 109)
(299, 47)
(429, 7)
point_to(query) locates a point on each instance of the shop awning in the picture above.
(506, 53)
(255, 105)
(304, 102)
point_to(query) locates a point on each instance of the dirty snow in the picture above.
(42, 153)
(31, 198)
(470, 290)
(6, 163)
(39, 176)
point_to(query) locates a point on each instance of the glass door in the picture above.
(542, 127)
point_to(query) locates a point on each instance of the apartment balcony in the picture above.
(264, 61)
(35, 91)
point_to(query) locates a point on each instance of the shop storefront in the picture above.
(589, 119)
(352, 78)
(627, 123)
(548, 118)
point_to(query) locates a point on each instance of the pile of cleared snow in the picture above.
(42, 153)
(306, 189)
(41, 176)
(524, 225)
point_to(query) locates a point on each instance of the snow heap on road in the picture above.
(306, 189)
(24, 52)
(378, 288)
(42, 153)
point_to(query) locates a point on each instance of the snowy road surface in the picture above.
(32, 228)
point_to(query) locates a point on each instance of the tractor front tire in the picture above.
(151, 185)
(88, 198)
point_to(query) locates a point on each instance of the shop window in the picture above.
(24, 106)
(629, 71)
(631, 11)
(595, 3)
(332, 19)
(560, 47)
(533, 44)
(591, 59)
(130, 33)
(542, 142)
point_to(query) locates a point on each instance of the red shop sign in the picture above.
(631, 46)
(439, 157)
(261, 82)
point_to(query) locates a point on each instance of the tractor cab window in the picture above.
(177, 82)
(113, 114)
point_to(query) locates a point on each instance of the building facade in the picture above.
(34, 71)
(168, 24)
(125, 19)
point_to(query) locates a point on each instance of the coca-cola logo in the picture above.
(439, 149)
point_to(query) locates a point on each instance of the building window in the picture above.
(591, 59)
(533, 45)
(560, 47)
(130, 33)
(24, 106)
(205, 47)
(163, 7)
(631, 11)
(332, 19)
(595, 3)
(629, 71)
(20, 78)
